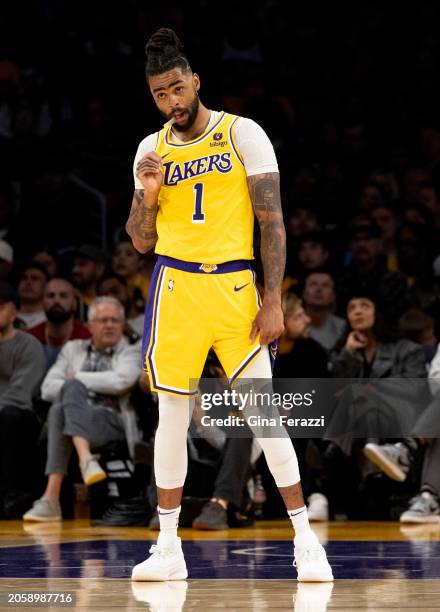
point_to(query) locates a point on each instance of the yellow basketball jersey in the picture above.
(205, 211)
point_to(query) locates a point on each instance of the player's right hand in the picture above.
(356, 340)
(149, 172)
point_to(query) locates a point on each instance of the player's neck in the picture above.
(198, 127)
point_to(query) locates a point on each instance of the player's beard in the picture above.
(192, 115)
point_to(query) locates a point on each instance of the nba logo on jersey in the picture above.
(170, 284)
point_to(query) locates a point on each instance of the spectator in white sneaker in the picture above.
(89, 384)
(396, 371)
(395, 460)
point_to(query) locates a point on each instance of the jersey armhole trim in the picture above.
(234, 144)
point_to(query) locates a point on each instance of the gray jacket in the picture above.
(118, 381)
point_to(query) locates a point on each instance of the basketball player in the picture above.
(199, 182)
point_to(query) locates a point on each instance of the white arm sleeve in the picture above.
(146, 145)
(255, 147)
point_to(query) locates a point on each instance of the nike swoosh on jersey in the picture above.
(241, 287)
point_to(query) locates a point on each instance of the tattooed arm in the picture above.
(264, 190)
(141, 224)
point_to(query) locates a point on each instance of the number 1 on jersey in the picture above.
(198, 215)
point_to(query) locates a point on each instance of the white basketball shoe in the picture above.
(166, 562)
(311, 560)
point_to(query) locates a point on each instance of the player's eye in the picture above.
(179, 89)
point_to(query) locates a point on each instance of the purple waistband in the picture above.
(199, 268)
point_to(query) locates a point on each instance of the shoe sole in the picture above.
(205, 527)
(35, 519)
(388, 467)
(94, 479)
(421, 520)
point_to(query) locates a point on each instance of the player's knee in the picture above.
(281, 460)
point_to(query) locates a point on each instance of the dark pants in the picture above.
(428, 427)
(73, 415)
(234, 470)
(19, 431)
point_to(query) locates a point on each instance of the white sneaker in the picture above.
(165, 563)
(311, 560)
(43, 511)
(92, 472)
(317, 509)
(393, 459)
(423, 508)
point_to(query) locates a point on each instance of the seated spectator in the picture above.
(59, 306)
(22, 366)
(47, 259)
(88, 266)
(6, 260)
(116, 285)
(367, 271)
(371, 352)
(387, 219)
(126, 261)
(414, 250)
(89, 385)
(302, 220)
(388, 405)
(417, 326)
(429, 196)
(372, 194)
(395, 460)
(319, 303)
(313, 252)
(416, 213)
(31, 287)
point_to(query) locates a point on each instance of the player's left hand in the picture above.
(269, 323)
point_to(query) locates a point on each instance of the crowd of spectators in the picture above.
(350, 103)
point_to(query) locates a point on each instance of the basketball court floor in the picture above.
(377, 566)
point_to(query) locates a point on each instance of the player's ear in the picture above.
(196, 80)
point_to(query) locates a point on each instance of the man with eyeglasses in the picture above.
(89, 385)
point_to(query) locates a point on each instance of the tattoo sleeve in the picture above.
(141, 224)
(264, 190)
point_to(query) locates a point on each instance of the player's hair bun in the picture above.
(164, 52)
(163, 41)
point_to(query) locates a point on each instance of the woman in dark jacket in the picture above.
(387, 387)
(393, 390)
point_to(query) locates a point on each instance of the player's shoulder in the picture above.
(246, 124)
(148, 143)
